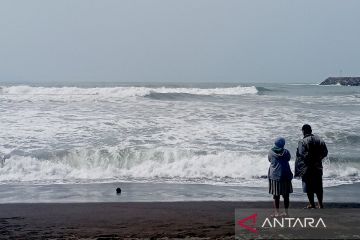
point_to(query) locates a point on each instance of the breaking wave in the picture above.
(121, 92)
(114, 164)
(344, 138)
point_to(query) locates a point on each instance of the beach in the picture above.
(145, 210)
(149, 220)
(179, 120)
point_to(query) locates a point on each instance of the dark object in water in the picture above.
(3, 158)
(343, 81)
(118, 190)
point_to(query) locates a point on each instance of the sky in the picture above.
(297, 41)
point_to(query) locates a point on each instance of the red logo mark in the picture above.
(247, 227)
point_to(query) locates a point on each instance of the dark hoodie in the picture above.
(279, 164)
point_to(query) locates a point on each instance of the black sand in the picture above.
(204, 220)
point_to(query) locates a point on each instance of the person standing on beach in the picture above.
(308, 165)
(280, 175)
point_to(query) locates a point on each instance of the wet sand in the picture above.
(135, 220)
(159, 192)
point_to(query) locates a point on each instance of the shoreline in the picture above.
(157, 192)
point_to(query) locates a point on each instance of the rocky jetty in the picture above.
(344, 81)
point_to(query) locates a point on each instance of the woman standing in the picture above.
(280, 175)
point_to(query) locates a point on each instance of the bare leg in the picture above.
(311, 199)
(276, 204)
(319, 196)
(286, 203)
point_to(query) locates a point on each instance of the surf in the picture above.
(153, 165)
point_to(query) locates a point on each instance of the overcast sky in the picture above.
(178, 41)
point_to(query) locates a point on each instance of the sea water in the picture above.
(216, 134)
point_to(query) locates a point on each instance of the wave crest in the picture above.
(151, 164)
(118, 92)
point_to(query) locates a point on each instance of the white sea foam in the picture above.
(114, 164)
(126, 163)
(117, 92)
(70, 138)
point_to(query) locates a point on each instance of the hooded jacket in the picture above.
(279, 169)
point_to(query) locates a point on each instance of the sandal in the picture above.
(284, 214)
(274, 215)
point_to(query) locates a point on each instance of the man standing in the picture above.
(309, 155)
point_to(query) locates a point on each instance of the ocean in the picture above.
(202, 136)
